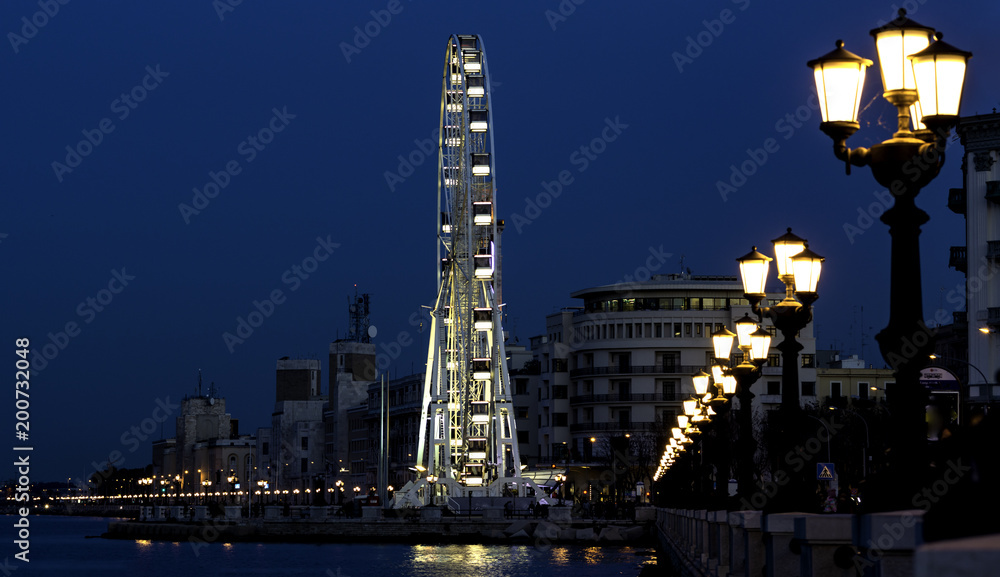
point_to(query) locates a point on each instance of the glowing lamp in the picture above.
(744, 328)
(840, 79)
(895, 41)
(722, 342)
(939, 72)
(760, 342)
(753, 271)
(806, 266)
(700, 381)
(785, 247)
(729, 385)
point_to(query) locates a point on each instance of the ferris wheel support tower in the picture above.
(467, 441)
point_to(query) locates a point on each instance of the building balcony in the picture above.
(629, 398)
(993, 316)
(956, 200)
(670, 369)
(958, 259)
(993, 250)
(625, 427)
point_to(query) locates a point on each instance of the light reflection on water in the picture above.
(59, 548)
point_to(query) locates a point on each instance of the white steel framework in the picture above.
(468, 439)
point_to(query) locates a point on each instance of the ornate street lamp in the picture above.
(799, 269)
(930, 75)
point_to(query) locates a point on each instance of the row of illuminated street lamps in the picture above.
(799, 269)
(923, 78)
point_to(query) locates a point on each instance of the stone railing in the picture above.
(702, 543)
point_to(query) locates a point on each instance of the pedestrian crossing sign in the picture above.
(825, 471)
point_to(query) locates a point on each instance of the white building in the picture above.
(979, 201)
(623, 361)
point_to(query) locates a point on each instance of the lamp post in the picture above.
(261, 485)
(205, 485)
(340, 492)
(755, 343)
(431, 480)
(924, 80)
(799, 270)
(968, 381)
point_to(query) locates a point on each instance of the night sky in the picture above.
(302, 118)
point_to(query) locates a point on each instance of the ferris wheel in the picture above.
(467, 438)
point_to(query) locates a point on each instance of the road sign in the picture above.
(825, 471)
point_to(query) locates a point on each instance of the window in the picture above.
(658, 328)
(687, 329)
(520, 386)
(560, 419)
(668, 389)
(774, 387)
(835, 389)
(559, 365)
(695, 303)
(863, 390)
(305, 465)
(668, 417)
(305, 443)
(677, 330)
(264, 448)
(522, 436)
(560, 392)
(808, 388)
(774, 360)
(697, 330)
(808, 361)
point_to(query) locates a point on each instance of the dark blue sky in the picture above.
(208, 84)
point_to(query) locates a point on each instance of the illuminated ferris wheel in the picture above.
(467, 440)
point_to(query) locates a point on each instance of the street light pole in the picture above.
(799, 269)
(911, 65)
